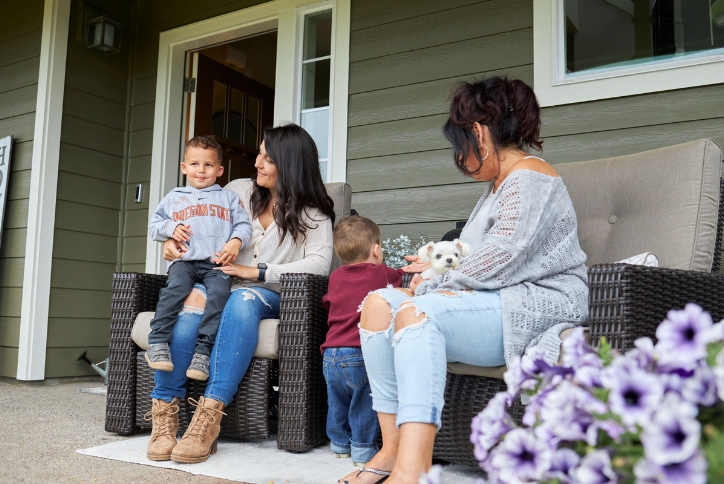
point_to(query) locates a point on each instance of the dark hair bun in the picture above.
(507, 107)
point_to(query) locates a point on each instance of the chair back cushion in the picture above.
(267, 346)
(664, 201)
(341, 195)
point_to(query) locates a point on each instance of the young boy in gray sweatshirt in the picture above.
(213, 225)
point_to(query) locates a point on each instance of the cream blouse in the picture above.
(311, 254)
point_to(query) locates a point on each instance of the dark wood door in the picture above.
(233, 109)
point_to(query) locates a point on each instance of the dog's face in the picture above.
(444, 256)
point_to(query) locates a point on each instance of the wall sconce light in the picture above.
(103, 35)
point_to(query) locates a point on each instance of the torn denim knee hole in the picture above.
(450, 293)
(398, 334)
(366, 334)
(416, 313)
(200, 292)
(191, 310)
(251, 295)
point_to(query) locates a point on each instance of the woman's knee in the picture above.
(408, 315)
(376, 314)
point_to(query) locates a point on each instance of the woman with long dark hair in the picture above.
(523, 282)
(292, 218)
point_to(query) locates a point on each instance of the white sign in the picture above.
(6, 145)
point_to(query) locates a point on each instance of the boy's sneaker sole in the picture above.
(196, 375)
(159, 365)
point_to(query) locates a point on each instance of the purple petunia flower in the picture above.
(490, 425)
(521, 457)
(568, 410)
(516, 378)
(596, 468)
(701, 387)
(673, 434)
(691, 471)
(433, 476)
(612, 428)
(634, 394)
(683, 336)
(575, 348)
(563, 463)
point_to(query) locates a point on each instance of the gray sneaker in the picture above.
(158, 356)
(199, 368)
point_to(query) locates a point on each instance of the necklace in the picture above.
(274, 206)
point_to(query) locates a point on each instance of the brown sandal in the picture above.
(385, 474)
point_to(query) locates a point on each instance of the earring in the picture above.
(486, 154)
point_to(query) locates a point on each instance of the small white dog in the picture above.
(444, 256)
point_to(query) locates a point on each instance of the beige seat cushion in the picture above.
(499, 371)
(664, 201)
(341, 195)
(267, 347)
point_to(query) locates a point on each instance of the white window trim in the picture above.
(173, 45)
(553, 87)
(35, 304)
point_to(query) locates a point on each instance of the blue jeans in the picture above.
(407, 369)
(233, 348)
(351, 422)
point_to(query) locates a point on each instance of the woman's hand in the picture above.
(415, 264)
(416, 280)
(173, 249)
(242, 272)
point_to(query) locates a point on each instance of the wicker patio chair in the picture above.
(626, 302)
(300, 405)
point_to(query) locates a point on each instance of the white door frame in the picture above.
(173, 45)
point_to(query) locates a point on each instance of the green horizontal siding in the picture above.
(89, 198)
(20, 34)
(155, 16)
(400, 81)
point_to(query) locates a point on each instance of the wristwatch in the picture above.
(262, 271)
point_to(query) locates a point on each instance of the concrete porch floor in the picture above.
(43, 425)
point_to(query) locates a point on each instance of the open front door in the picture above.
(233, 109)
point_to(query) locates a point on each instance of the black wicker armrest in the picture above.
(628, 302)
(132, 293)
(302, 389)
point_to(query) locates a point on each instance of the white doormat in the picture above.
(260, 462)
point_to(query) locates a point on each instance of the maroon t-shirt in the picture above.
(348, 286)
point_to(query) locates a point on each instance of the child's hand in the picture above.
(181, 233)
(229, 252)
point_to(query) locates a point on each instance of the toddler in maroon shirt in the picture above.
(351, 423)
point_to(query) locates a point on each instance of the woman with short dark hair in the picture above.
(523, 282)
(292, 218)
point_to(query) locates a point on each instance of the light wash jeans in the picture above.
(233, 348)
(407, 369)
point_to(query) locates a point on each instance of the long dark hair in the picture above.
(507, 107)
(299, 181)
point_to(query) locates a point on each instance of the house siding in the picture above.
(20, 35)
(405, 58)
(88, 203)
(154, 17)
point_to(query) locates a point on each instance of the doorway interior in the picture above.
(233, 99)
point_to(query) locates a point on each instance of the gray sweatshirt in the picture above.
(215, 216)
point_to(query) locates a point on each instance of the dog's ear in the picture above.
(425, 251)
(462, 247)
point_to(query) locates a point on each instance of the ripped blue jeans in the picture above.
(233, 348)
(407, 369)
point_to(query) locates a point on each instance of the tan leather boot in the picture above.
(164, 417)
(199, 441)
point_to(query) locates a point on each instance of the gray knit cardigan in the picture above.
(529, 251)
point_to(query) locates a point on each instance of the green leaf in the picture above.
(604, 351)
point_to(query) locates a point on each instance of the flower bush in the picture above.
(652, 415)
(395, 250)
